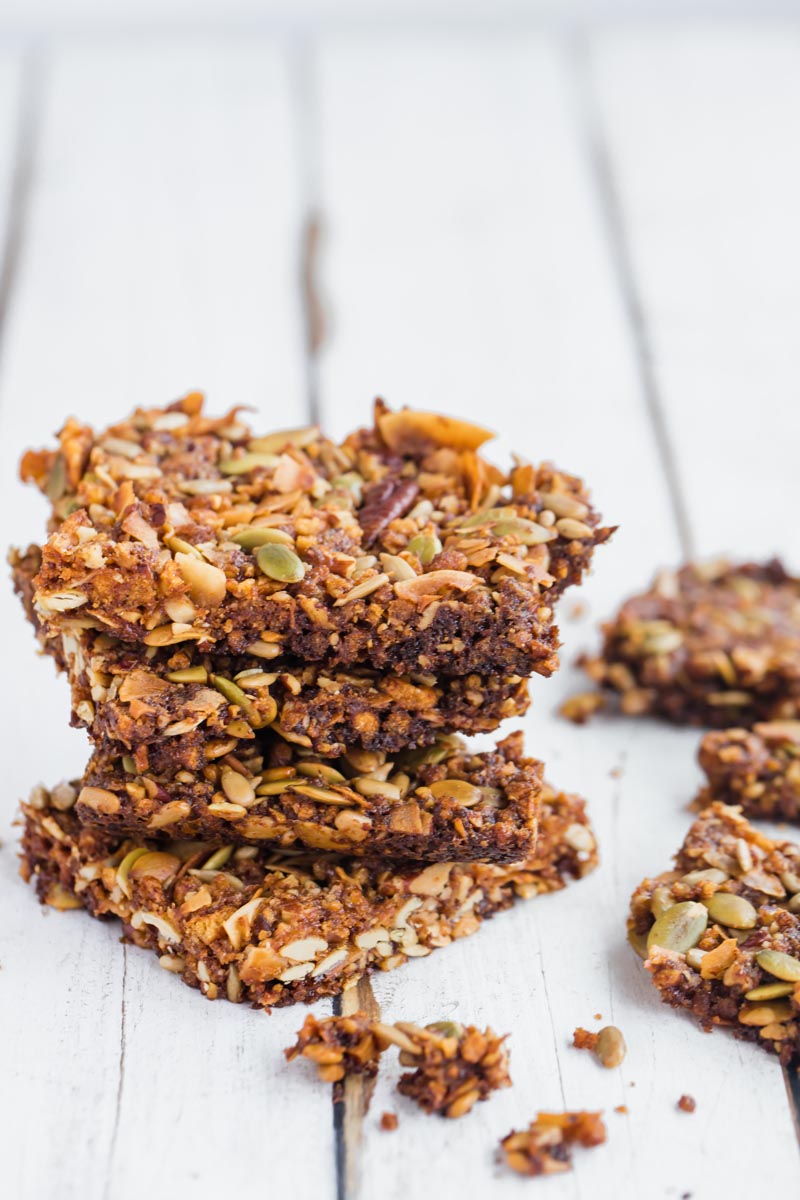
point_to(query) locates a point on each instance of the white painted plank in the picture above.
(467, 269)
(704, 127)
(161, 254)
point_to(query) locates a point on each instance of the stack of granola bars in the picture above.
(274, 643)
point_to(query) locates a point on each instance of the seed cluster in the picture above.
(721, 933)
(545, 1147)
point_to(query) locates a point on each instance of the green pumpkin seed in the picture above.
(218, 859)
(782, 966)
(247, 463)
(232, 693)
(610, 1046)
(639, 942)
(257, 535)
(770, 991)
(712, 874)
(448, 1029)
(680, 927)
(57, 479)
(281, 563)
(426, 547)
(188, 675)
(129, 764)
(316, 770)
(726, 908)
(529, 533)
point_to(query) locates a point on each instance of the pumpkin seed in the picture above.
(782, 966)
(456, 789)
(726, 908)
(218, 858)
(125, 866)
(317, 793)
(232, 693)
(661, 900)
(247, 463)
(273, 442)
(255, 536)
(529, 533)
(610, 1046)
(318, 770)
(188, 675)
(680, 927)
(770, 991)
(712, 874)
(448, 1029)
(128, 764)
(57, 479)
(765, 1014)
(426, 547)
(281, 563)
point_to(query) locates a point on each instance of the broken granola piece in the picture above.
(454, 1065)
(395, 549)
(442, 803)
(758, 769)
(580, 707)
(607, 1045)
(389, 1122)
(687, 1104)
(272, 927)
(339, 1046)
(710, 644)
(720, 934)
(545, 1147)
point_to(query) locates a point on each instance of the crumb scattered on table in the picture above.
(687, 1104)
(545, 1147)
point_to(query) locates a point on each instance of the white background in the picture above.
(583, 235)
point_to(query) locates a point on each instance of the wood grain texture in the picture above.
(161, 254)
(469, 269)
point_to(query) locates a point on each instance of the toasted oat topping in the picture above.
(715, 644)
(720, 934)
(545, 1147)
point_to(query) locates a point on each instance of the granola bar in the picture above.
(272, 928)
(400, 548)
(721, 933)
(715, 644)
(190, 701)
(758, 769)
(545, 1147)
(440, 804)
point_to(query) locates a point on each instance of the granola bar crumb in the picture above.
(582, 706)
(687, 1104)
(621, 1108)
(455, 1065)
(339, 1046)
(582, 1039)
(545, 1147)
(389, 1122)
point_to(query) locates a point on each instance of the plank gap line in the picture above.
(112, 1145)
(26, 142)
(611, 209)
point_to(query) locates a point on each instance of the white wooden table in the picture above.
(589, 245)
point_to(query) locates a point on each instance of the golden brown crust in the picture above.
(408, 554)
(721, 933)
(715, 644)
(275, 928)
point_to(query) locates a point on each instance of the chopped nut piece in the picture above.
(389, 1122)
(715, 644)
(687, 1104)
(741, 969)
(545, 1147)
